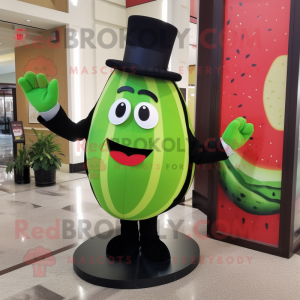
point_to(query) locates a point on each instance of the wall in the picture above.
(82, 85)
(8, 78)
(26, 59)
(109, 16)
(176, 12)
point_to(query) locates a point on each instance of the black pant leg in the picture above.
(148, 229)
(129, 228)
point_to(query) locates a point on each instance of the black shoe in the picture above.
(122, 246)
(155, 251)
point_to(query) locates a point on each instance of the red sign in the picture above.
(19, 35)
(130, 3)
(18, 131)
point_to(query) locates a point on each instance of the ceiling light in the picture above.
(28, 20)
(75, 2)
(1, 43)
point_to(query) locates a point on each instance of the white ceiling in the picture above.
(18, 18)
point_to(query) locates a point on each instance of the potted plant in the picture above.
(45, 161)
(21, 166)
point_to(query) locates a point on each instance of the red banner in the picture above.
(254, 74)
(194, 11)
(130, 3)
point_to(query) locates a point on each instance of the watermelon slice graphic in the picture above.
(254, 87)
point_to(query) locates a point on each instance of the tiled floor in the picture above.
(52, 219)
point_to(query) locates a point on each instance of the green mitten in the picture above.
(238, 133)
(42, 95)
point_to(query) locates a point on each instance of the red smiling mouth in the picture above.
(127, 156)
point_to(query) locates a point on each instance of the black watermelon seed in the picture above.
(254, 207)
(231, 7)
(222, 206)
(232, 80)
(251, 138)
(270, 29)
(248, 55)
(228, 22)
(244, 117)
(240, 105)
(238, 199)
(243, 220)
(243, 74)
(227, 58)
(234, 94)
(267, 225)
(254, 65)
(243, 36)
(241, 4)
(238, 51)
(273, 194)
(242, 195)
(258, 17)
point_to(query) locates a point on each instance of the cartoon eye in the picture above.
(36, 68)
(119, 111)
(146, 115)
(45, 68)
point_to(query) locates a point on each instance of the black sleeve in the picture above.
(64, 127)
(211, 151)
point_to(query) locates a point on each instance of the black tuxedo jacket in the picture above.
(61, 125)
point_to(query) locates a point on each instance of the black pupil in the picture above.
(120, 110)
(144, 113)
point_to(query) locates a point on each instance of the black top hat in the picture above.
(148, 50)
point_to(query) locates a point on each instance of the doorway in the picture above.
(7, 114)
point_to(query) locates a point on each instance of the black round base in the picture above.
(92, 265)
(45, 184)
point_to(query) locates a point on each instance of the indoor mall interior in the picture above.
(149, 149)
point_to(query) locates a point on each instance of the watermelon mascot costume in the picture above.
(146, 150)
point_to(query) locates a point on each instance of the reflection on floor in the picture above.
(6, 149)
(35, 220)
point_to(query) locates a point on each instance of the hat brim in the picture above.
(142, 70)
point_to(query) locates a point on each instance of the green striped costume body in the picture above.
(150, 188)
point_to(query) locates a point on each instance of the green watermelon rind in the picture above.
(255, 175)
(250, 198)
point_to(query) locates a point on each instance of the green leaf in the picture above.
(43, 153)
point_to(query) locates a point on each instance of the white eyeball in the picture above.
(119, 111)
(146, 115)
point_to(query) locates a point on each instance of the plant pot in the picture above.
(22, 179)
(45, 178)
